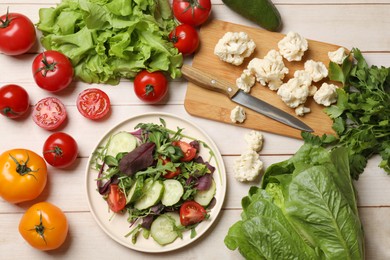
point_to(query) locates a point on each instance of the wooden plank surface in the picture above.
(212, 105)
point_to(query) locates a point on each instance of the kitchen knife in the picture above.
(210, 82)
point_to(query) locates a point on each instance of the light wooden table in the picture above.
(350, 23)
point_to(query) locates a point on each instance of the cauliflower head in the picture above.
(316, 69)
(326, 95)
(248, 166)
(234, 47)
(294, 92)
(237, 115)
(293, 46)
(337, 56)
(246, 81)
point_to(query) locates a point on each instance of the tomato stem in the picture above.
(7, 111)
(47, 66)
(40, 228)
(5, 23)
(149, 89)
(22, 168)
(192, 5)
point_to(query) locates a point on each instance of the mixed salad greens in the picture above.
(156, 176)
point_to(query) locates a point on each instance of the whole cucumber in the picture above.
(262, 12)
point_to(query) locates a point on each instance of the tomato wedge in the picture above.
(191, 212)
(49, 113)
(93, 103)
(170, 174)
(188, 150)
(116, 198)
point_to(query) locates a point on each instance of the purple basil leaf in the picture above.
(147, 221)
(157, 209)
(195, 144)
(204, 182)
(104, 188)
(137, 133)
(138, 159)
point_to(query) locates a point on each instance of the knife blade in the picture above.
(208, 81)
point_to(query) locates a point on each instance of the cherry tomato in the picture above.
(150, 87)
(188, 150)
(44, 226)
(185, 38)
(116, 198)
(23, 175)
(170, 174)
(17, 34)
(60, 150)
(14, 101)
(49, 113)
(93, 103)
(52, 71)
(192, 12)
(191, 212)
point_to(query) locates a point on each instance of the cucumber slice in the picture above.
(135, 191)
(204, 197)
(173, 190)
(121, 142)
(152, 192)
(164, 228)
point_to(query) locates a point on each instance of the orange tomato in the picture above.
(44, 226)
(23, 175)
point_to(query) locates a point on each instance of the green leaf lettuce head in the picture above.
(306, 208)
(111, 39)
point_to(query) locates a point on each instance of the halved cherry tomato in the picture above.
(14, 101)
(23, 175)
(116, 198)
(185, 38)
(188, 150)
(191, 212)
(93, 103)
(52, 71)
(44, 226)
(192, 12)
(170, 174)
(60, 150)
(49, 113)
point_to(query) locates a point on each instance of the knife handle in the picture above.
(205, 80)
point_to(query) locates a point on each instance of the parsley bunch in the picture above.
(361, 116)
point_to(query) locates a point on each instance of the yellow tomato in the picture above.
(23, 175)
(44, 226)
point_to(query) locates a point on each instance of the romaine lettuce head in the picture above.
(305, 209)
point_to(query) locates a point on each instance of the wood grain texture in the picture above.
(214, 106)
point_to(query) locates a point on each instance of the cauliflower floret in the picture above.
(248, 166)
(293, 46)
(294, 92)
(270, 70)
(301, 110)
(303, 76)
(316, 69)
(326, 95)
(255, 140)
(246, 81)
(234, 47)
(337, 56)
(237, 115)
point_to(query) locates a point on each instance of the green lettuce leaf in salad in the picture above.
(306, 208)
(111, 39)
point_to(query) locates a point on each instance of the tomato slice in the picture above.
(170, 174)
(191, 212)
(116, 198)
(188, 150)
(49, 113)
(93, 103)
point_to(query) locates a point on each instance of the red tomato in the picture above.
(192, 12)
(188, 151)
(17, 34)
(14, 101)
(185, 38)
(116, 198)
(150, 87)
(191, 212)
(93, 103)
(170, 174)
(60, 150)
(52, 71)
(49, 113)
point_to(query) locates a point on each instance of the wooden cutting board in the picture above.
(215, 106)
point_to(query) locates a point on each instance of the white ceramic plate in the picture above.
(116, 225)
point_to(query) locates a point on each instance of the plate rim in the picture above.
(218, 159)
